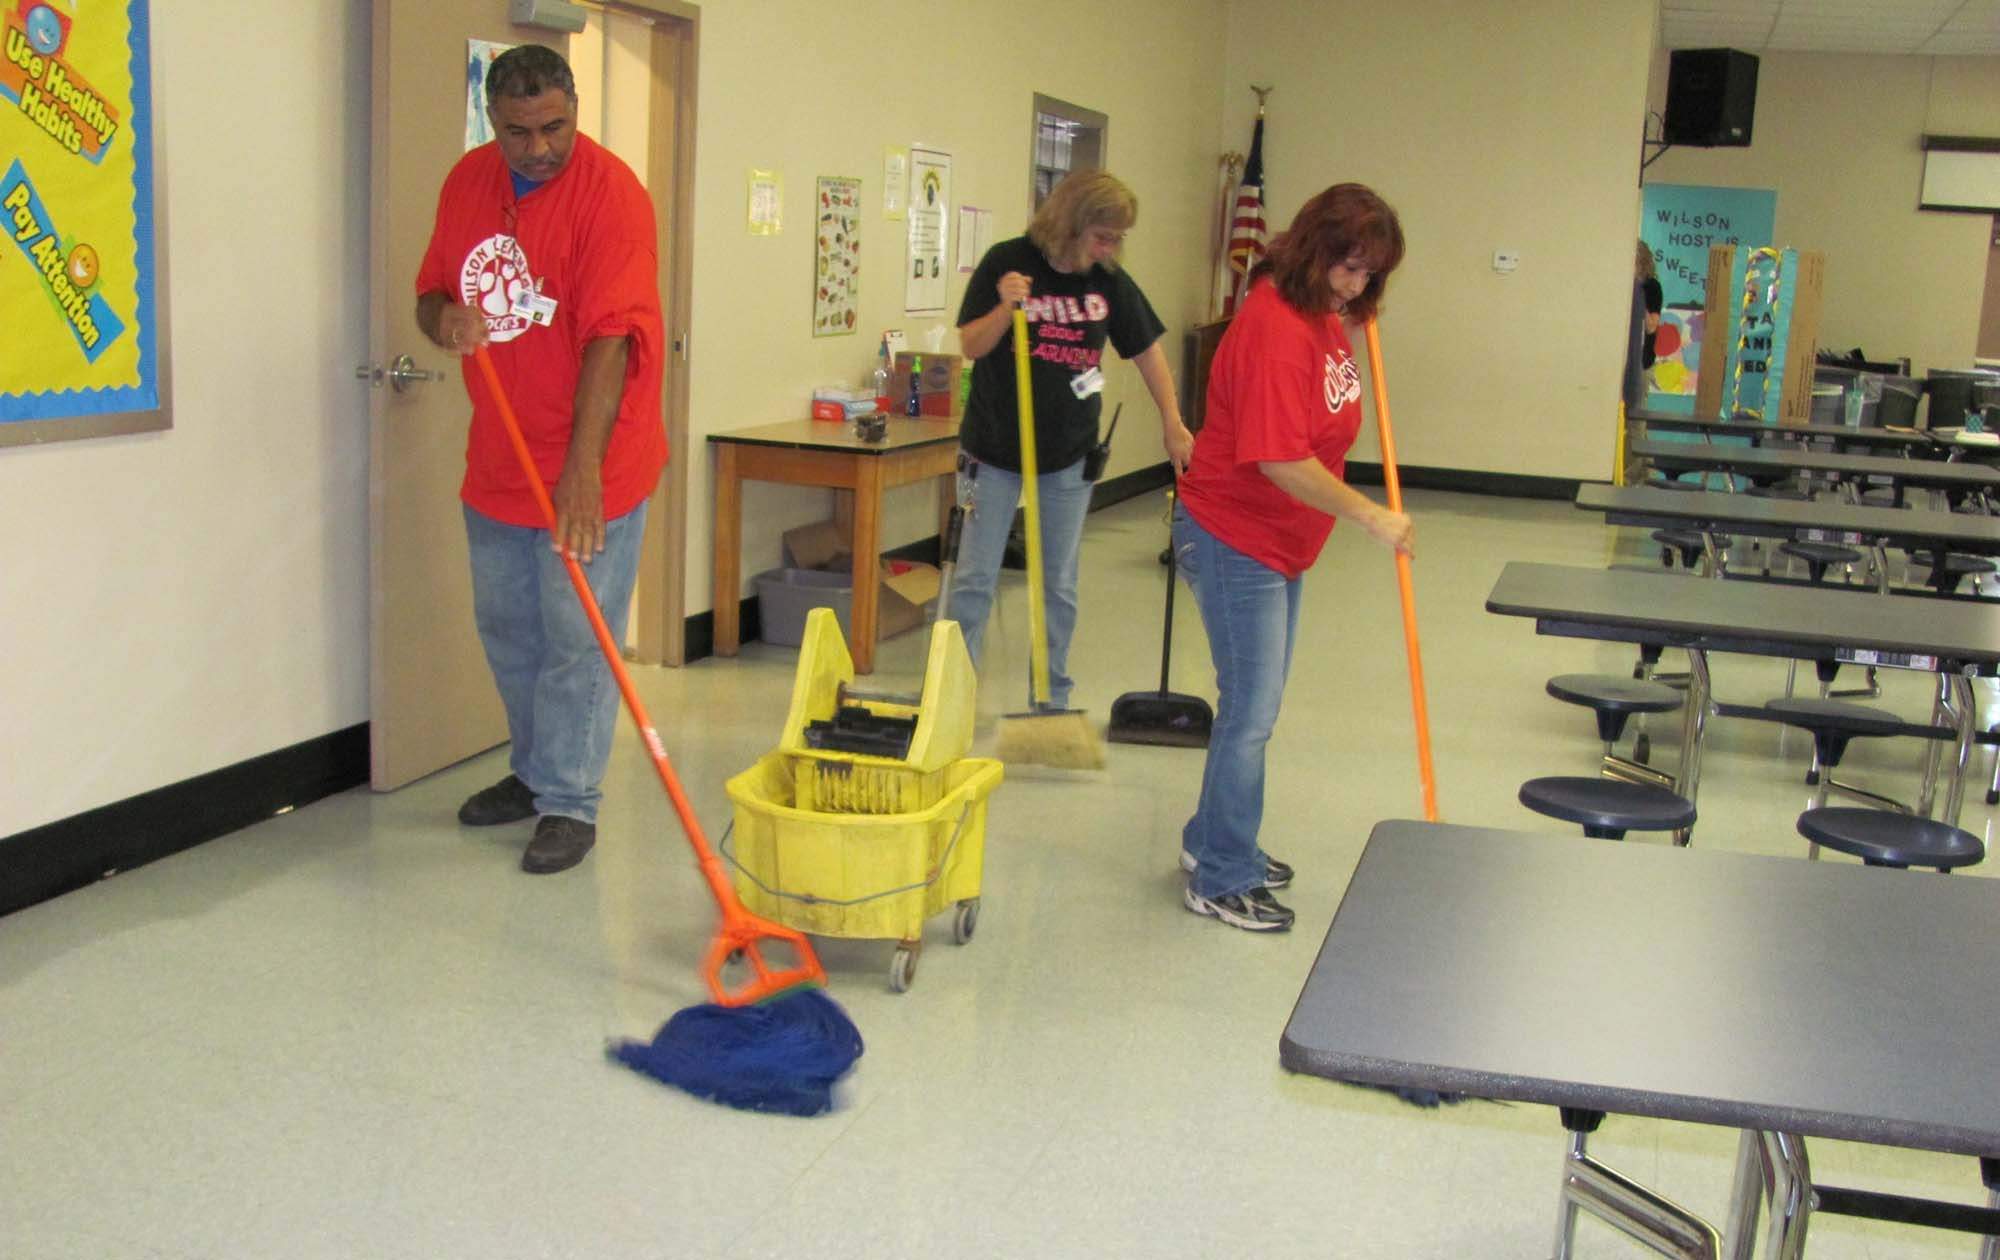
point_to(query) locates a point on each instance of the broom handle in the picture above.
(1167, 635)
(740, 927)
(1038, 644)
(1403, 580)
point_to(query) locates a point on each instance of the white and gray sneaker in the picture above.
(1276, 874)
(1253, 911)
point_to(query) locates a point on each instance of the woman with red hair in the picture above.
(1256, 505)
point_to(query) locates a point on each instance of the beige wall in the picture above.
(182, 601)
(807, 90)
(1838, 138)
(1488, 127)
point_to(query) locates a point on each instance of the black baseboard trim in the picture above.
(58, 857)
(1465, 481)
(1131, 485)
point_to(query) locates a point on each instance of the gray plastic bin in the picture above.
(785, 596)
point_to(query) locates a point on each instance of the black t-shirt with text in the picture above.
(1070, 317)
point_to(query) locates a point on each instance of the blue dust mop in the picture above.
(767, 1044)
(782, 1056)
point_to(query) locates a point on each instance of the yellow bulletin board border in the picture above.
(30, 415)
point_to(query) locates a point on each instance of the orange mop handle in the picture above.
(740, 929)
(1403, 580)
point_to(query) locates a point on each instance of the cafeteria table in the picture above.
(1956, 640)
(1788, 999)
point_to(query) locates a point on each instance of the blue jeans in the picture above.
(1251, 613)
(1064, 499)
(561, 701)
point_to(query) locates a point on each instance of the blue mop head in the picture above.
(783, 1055)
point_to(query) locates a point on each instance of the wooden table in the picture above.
(1785, 998)
(824, 453)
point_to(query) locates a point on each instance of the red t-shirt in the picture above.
(585, 239)
(1284, 386)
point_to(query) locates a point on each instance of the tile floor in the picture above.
(357, 1030)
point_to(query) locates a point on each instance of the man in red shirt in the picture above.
(545, 252)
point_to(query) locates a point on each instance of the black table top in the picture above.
(1755, 618)
(1873, 436)
(1916, 472)
(1784, 518)
(1813, 998)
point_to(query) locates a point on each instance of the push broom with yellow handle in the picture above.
(1045, 735)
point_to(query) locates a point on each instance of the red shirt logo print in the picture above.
(1343, 381)
(494, 274)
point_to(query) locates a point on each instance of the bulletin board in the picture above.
(1679, 223)
(80, 278)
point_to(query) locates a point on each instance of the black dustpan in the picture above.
(1162, 717)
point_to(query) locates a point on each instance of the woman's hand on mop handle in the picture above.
(1393, 530)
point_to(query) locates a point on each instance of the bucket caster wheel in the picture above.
(966, 921)
(903, 968)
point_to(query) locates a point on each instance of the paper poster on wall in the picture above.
(767, 203)
(895, 181)
(1678, 223)
(930, 196)
(79, 288)
(837, 251)
(975, 236)
(479, 55)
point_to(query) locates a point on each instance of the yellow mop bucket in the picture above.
(839, 843)
(857, 783)
(876, 876)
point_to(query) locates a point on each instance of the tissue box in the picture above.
(834, 409)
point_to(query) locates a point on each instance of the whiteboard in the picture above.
(1955, 180)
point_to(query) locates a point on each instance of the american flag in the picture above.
(1246, 228)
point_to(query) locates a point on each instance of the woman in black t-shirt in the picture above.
(1064, 273)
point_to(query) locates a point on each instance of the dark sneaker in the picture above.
(1253, 911)
(1276, 874)
(509, 800)
(560, 843)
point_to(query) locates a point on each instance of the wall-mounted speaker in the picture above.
(1711, 97)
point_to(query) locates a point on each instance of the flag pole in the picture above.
(1218, 259)
(1246, 222)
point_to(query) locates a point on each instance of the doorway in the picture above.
(1066, 138)
(635, 76)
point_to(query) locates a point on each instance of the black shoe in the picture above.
(1253, 911)
(509, 800)
(1276, 874)
(560, 842)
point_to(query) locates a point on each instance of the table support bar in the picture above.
(1617, 1200)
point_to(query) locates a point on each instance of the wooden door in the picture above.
(431, 700)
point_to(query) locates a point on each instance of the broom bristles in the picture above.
(1062, 738)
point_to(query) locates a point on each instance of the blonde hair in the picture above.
(1084, 200)
(1646, 270)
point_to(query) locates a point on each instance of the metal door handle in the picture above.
(404, 373)
(401, 374)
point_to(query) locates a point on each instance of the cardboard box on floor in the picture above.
(906, 586)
